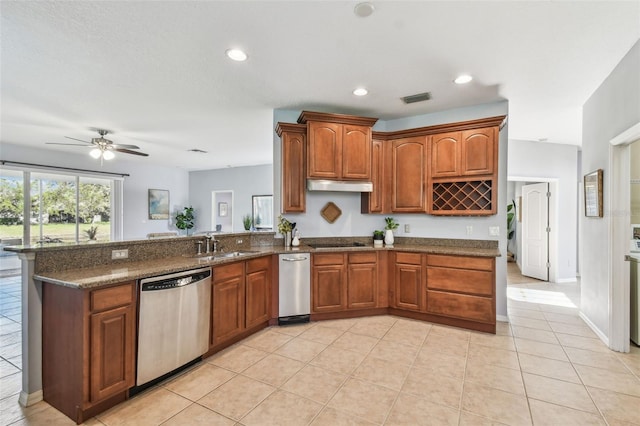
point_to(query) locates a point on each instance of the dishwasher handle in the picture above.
(294, 259)
(165, 284)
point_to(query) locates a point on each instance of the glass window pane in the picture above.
(94, 209)
(53, 208)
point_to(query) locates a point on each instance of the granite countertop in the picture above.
(121, 272)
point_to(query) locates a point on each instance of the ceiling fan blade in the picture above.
(127, 151)
(124, 146)
(79, 140)
(71, 144)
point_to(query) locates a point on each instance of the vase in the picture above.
(287, 239)
(388, 237)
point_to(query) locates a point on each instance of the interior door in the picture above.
(535, 231)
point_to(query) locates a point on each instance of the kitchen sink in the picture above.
(221, 255)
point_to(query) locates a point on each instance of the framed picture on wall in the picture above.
(158, 204)
(223, 209)
(593, 194)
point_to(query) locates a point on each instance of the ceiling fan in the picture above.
(103, 148)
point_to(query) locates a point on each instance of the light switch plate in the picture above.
(469, 229)
(407, 228)
(494, 231)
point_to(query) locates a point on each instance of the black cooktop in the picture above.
(335, 245)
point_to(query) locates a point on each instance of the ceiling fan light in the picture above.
(236, 55)
(463, 79)
(108, 155)
(95, 153)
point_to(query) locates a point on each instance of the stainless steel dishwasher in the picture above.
(173, 326)
(294, 300)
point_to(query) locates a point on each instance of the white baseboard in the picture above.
(566, 280)
(595, 329)
(27, 399)
(502, 318)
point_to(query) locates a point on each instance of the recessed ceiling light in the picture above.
(463, 79)
(363, 9)
(236, 55)
(360, 91)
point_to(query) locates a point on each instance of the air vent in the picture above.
(199, 151)
(417, 98)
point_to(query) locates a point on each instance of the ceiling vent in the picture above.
(416, 98)
(199, 151)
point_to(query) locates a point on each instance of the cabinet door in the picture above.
(329, 290)
(112, 344)
(372, 201)
(362, 286)
(408, 163)
(227, 308)
(445, 155)
(356, 152)
(257, 297)
(293, 172)
(478, 151)
(324, 158)
(408, 287)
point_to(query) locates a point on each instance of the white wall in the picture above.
(135, 197)
(243, 181)
(352, 222)
(553, 161)
(613, 108)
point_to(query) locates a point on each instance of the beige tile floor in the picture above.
(546, 367)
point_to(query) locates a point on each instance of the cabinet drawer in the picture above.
(328, 259)
(461, 262)
(111, 297)
(410, 258)
(369, 257)
(258, 264)
(460, 280)
(221, 273)
(461, 306)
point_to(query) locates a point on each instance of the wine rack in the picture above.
(475, 197)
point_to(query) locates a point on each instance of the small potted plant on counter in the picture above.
(246, 221)
(391, 225)
(285, 228)
(378, 237)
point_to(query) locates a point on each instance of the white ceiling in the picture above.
(155, 72)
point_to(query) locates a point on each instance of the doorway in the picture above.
(546, 227)
(222, 211)
(619, 187)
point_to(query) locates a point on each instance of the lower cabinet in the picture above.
(88, 356)
(240, 298)
(408, 286)
(345, 281)
(461, 287)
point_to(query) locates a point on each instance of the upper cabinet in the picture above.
(465, 153)
(339, 146)
(294, 145)
(408, 175)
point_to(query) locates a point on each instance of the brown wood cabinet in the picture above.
(258, 290)
(373, 202)
(240, 298)
(294, 160)
(461, 287)
(466, 153)
(408, 281)
(346, 281)
(408, 175)
(362, 280)
(445, 154)
(88, 353)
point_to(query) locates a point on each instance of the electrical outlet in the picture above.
(494, 231)
(469, 230)
(407, 228)
(120, 254)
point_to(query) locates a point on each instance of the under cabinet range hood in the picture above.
(339, 185)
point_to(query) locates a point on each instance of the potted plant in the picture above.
(246, 221)
(91, 233)
(285, 227)
(185, 219)
(390, 226)
(378, 237)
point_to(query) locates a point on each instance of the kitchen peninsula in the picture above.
(89, 314)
